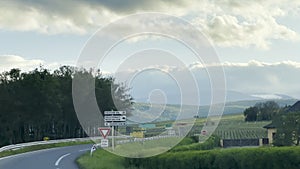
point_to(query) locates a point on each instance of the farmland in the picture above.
(234, 127)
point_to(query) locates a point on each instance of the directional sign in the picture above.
(104, 143)
(114, 118)
(114, 112)
(114, 123)
(104, 132)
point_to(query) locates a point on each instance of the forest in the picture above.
(39, 103)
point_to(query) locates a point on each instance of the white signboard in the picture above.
(114, 112)
(114, 123)
(104, 143)
(114, 118)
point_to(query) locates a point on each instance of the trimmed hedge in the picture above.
(238, 158)
(209, 144)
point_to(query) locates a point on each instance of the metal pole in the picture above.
(113, 138)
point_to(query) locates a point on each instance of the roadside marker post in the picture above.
(93, 149)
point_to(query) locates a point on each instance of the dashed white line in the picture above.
(60, 158)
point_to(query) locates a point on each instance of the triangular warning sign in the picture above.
(104, 132)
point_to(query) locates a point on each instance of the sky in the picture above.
(257, 42)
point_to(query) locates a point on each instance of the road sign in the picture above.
(114, 118)
(104, 143)
(114, 123)
(114, 113)
(104, 132)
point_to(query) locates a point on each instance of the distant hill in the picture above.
(231, 96)
(143, 111)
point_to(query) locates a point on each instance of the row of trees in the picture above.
(262, 111)
(39, 103)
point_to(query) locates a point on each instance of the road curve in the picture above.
(54, 158)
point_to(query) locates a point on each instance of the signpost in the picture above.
(104, 132)
(112, 119)
(115, 118)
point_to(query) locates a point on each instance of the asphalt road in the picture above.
(55, 158)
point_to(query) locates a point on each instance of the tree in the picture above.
(288, 129)
(262, 111)
(267, 110)
(251, 114)
(39, 103)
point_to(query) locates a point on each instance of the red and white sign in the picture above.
(104, 132)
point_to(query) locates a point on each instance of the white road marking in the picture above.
(84, 150)
(60, 158)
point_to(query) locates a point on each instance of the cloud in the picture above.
(258, 77)
(8, 62)
(248, 23)
(250, 78)
(227, 22)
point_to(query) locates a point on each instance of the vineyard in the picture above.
(234, 127)
(241, 133)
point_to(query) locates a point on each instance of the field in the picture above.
(230, 127)
(198, 155)
(234, 127)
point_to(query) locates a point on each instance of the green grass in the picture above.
(40, 147)
(101, 159)
(146, 148)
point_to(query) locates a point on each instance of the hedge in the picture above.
(237, 158)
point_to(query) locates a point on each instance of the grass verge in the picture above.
(101, 159)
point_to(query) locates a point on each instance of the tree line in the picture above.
(39, 103)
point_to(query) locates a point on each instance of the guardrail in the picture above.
(22, 145)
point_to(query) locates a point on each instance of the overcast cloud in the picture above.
(227, 22)
(249, 78)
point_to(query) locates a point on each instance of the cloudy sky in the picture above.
(257, 42)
